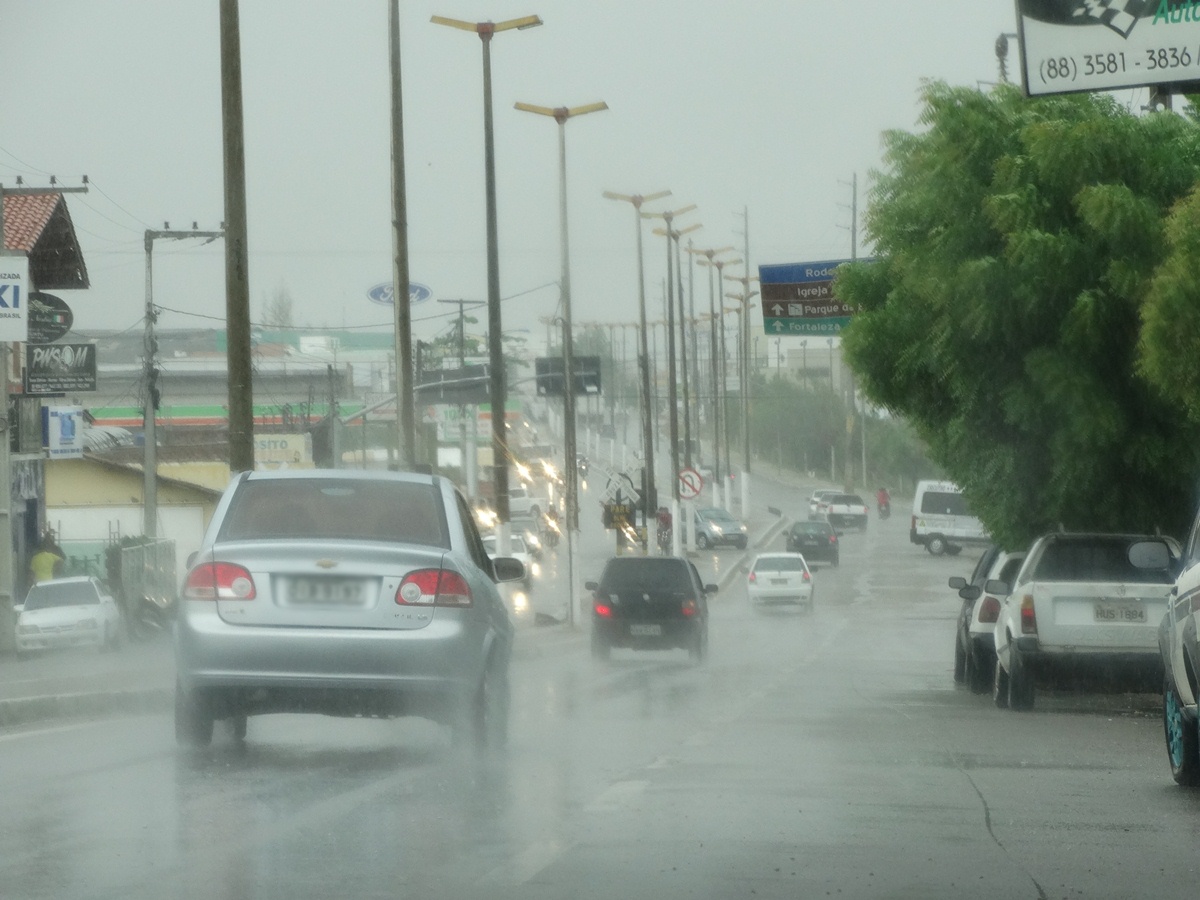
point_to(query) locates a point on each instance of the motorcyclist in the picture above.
(552, 526)
(883, 501)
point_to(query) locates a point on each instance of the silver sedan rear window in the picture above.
(337, 509)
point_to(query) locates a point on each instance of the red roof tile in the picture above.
(26, 217)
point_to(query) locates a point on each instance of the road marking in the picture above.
(617, 796)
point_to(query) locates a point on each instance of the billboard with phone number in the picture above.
(1069, 46)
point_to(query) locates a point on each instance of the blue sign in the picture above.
(382, 293)
(798, 298)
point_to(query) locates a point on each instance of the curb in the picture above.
(60, 706)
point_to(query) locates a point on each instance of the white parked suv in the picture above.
(1081, 606)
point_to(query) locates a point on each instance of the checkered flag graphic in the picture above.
(1119, 15)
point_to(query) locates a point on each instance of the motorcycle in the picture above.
(885, 509)
(664, 538)
(151, 617)
(550, 537)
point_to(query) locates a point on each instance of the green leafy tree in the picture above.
(1017, 243)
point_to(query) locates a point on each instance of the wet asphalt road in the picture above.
(813, 755)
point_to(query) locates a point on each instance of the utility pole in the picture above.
(150, 373)
(467, 431)
(852, 415)
(406, 442)
(237, 255)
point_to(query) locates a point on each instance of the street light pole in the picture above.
(674, 234)
(643, 360)
(485, 30)
(560, 115)
(709, 262)
(672, 398)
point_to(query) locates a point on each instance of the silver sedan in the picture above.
(346, 593)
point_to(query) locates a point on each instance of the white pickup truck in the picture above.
(1080, 607)
(522, 501)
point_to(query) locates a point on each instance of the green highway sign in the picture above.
(805, 327)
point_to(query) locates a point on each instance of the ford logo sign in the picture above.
(382, 293)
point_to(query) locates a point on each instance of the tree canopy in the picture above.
(1033, 304)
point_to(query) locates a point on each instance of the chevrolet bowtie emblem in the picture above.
(326, 563)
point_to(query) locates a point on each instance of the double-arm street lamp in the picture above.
(744, 299)
(636, 200)
(672, 403)
(715, 418)
(497, 398)
(570, 471)
(674, 234)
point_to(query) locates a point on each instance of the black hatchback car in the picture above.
(650, 603)
(815, 539)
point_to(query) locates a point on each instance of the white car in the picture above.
(846, 511)
(780, 578)
(975, 647)
(68, 612)
(519, 550)
(818, 502)
(1081, 606)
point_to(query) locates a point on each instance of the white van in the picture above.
(941, 522)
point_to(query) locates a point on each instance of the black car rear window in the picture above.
(811, 528)
(942, 503)
(337, 509)
(645, 574)
(1094, 559)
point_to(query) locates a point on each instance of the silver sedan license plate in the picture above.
(1120, 612)
(326, 592)
(645, 630)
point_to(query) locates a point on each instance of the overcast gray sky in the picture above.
(772, 105)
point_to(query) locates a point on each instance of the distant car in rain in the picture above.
(68, 612)
(650, 603)
(716, 527)
(846, 511)
(816, 540)
(518, 550)
(780, 578)
(818, 502)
